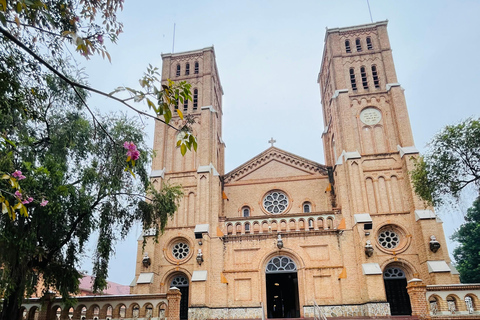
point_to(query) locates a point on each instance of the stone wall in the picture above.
(224, 313)
(361, 310)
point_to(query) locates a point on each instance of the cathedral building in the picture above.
(281, 234)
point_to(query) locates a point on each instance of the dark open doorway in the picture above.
(181, 282)
(282, 295)
(396, 291)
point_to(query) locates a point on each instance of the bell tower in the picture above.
(181, 258)
(369, 145)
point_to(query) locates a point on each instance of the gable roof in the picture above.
(275, 163)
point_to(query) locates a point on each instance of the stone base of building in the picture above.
(373, 309)
(202, 313)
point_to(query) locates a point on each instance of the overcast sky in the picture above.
(268, 56)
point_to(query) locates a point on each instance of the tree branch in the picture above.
(76, 84)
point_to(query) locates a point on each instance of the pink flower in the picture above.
(100, 38)
(43, 203)
(132, 152)
(18, 174)
(18, 194)
(134, 155)
(26, 201)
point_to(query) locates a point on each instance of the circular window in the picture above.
(275, 202)
(389, 239)
(180, 250)
(392, 239)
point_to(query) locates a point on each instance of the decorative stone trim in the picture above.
(277, 154)
(407, 150)
(158, 173)
(208, 108)
(272, 224)
(453, 287)
(202, 313)
(373, 309)
(208, 169)
(390, 85)
(337, 93)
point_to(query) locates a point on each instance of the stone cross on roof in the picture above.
(271, 141)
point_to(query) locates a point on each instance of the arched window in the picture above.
(246, 212)
(195, 99)
(280, 264)
(376, 82)
(187, 69)
(451, 304)
(307, 207)
(185, 105)
(136, 311)
(96, 312)
(109, 312)
(310, 223)
(358, 44)
(369, 43)
(178, 70)
(347, 46)
(352, 80)
(247, 227)
(196, 67)
(363, 73)
(469, 304)
(433, 305)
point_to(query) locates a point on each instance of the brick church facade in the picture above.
(280, 233)
(286, 237)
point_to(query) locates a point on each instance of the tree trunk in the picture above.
(12, 302)
(10, 310)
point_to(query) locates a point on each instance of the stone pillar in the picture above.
(173, 297)
(417, 291)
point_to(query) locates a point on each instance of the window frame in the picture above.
(348, 48)
(358, 44)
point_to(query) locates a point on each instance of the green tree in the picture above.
(70, 156)
(451, 163)
(467, 254)
(81, 173)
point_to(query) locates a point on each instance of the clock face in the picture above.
(370, 116)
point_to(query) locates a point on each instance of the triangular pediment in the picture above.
(275, 163)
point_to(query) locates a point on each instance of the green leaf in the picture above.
(2, 19)
(183, 149)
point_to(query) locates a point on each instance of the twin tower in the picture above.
(280, 234)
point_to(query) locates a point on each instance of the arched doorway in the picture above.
(396, 290)
(181, 282)
(282, 288)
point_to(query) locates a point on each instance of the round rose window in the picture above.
(275, 202)
(180, 250)
(388, 239)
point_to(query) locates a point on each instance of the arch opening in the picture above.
(395, 282)
(282, 288)
(181, 282)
